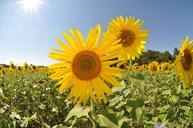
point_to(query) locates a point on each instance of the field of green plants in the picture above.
(31, 99)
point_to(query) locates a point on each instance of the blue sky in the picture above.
(29, 37)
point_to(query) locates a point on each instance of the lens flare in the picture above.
(30, 6)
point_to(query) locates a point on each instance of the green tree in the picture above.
(175, 53)
(152, 55)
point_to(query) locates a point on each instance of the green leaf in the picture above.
(164, 109)
(110, 115)
(121, 121)
(178, 89)
(58, 126)
(121, 104)
(149, 123)
(186, 109)
(155, 119)
(174, 99)
(115, 100)
(148, 115)
(136, 103)
(26, 120)
(138, 112)
(129, 109)
(3, 96)
(139, 76)
(78, 111)
(162, 117)
(170, 115)
(167, 92)
(105, 122)
(126, 92)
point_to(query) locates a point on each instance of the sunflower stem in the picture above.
(93, 113)
(130, 62)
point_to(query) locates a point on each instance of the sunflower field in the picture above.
(96, 83)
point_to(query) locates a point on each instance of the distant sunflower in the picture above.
(11, 66)
(184, 62)
(32, 67)
(1, 71)
(25, 66)
(144, 67)
(129, 35)
(19, 68)
(85, 67)
(136, 67)
(141, 69)
(153, 66)
(165, 66)
(122, 65)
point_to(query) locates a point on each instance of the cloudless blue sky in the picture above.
(29, 37)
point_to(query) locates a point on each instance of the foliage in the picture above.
(31, 99)
(151, 55)
(176, 52)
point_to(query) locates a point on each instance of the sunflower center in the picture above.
(154, 68)
(166, 68)
(127, 38)
(186, 60)
(86, 65)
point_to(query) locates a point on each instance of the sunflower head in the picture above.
(153, 66)
(129, 34)
(19, 68)
(140, 69)
(144, 67)
(136, 67)
(11, 66)
(33, 67)
(127, 38)
(165, 66)
(2, 72)
(122, 65)
(184, 62)
(85, 66)
(25, 66)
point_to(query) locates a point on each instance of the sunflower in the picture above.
(144, 67)
(128, 33)
(33, 67)
(25, 66)
(136, 68)
(84, 67)
(184, 62)
(1, 71)
(19, 68)
(11, 66)
(141, 69)
(165, 66)
(122, 65)
(153, 66)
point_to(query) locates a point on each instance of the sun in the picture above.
(30, 6)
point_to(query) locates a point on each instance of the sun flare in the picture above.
(31, 5)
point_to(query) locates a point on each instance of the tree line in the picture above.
(151, 55)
